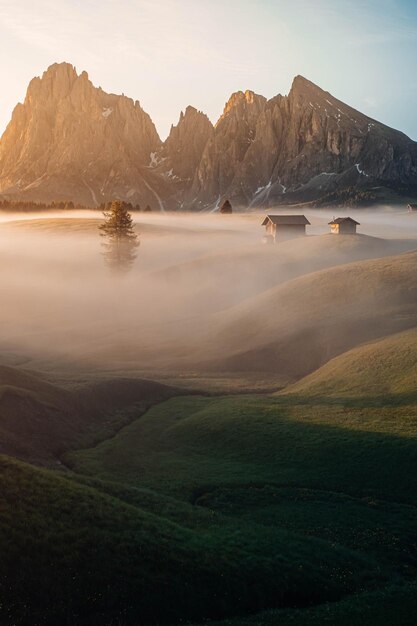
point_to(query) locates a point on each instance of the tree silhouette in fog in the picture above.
(120, 242)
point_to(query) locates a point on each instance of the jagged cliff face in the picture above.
(220, 170)
(185, 144)
(70, 140)
(179, 157)
(299, 147)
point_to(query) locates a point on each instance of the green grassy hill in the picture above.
(293, 508)
(298, 326)
(40, 420)
(325, 459)
(224, 507)
(308, 467)
(384, 370)
(186, 445)
(396, 604)
(73, 553)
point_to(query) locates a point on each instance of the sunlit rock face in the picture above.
(220, 169)
(72, 141)
(299, 146)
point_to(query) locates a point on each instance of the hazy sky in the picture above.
(171, 53)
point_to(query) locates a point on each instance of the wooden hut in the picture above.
(226, 207)
(284, 227)
(343, 226)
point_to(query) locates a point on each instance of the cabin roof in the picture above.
(341, 220)
(286, 220)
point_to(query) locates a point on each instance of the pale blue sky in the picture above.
(171, 53)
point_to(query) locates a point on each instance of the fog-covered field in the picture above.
(226, 432)
(182, 309)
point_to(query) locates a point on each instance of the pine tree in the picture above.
(120, 240)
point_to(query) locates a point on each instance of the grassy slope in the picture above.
(72, 552)
(272, 527)
(39, 420)
(383, 369)
(301, 497)
(298, 326)
(327, 466)
(396, 604)
(186, 445)
(215, 280)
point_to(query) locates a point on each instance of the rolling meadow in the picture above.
(227, 434)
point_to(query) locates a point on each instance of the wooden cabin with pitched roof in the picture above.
(279, 227)
(343, 226)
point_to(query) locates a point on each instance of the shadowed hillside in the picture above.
(302, 465)
(298, 326)
(39, 420)
(390, 605)
(79, 554)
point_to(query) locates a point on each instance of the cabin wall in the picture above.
(290, 231)
(347, 228)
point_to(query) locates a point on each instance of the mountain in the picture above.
(222, 168)
(299, 146)
(71, 140)
(178, 158)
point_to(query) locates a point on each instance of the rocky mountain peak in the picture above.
(302, 85)
(240, 97)
(180, 155)
(56, 82)
(190, 111)
(304, 92)
(67, 132)
(62, 72)
(246, 103)
(72, 141)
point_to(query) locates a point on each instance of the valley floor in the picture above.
(288, 502)
(265, 475)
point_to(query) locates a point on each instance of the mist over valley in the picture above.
(208, 339)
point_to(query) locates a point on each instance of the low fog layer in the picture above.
(183, 308)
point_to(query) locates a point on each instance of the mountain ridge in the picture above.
(70, 140)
